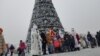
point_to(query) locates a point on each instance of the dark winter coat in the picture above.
(67, 40)
(43, 36)
(89, 37)
(72, 41)
(12, 48)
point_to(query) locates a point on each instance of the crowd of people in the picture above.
(58, 42)
(54, 42)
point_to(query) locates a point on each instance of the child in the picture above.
(57, 45)
(11, 50)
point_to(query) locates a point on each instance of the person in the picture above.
(67, 42)
(12, 48)
(44, 42)
(72, 42)
(57, 35)
(61, 38)
(76, 38)
(19, 51)
(57, 45)
(2, 42)
(51, 33)
(82, 41)
(61, 34)
(22, 46)
(98, 38)
(50, 43)
(90, 39)
(6, 50)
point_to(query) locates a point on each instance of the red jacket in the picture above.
(78, 38)
(56, 43)
(22, 46)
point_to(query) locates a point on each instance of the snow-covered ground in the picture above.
(84, 52)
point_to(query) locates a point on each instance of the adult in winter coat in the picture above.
(77, 45)
(19, 51)
(90, 39)
(44, 42)
(83, 41)
(50, 44)
(98, 38)
(67, 41)
(72, 43)
(11, 50)
(78, 38)
(51, 33)
(22, 46)
(2, 42)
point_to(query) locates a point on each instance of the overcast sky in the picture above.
(15, 15)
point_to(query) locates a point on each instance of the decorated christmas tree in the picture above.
(44, 16)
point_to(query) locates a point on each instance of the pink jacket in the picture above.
(22, 46)
(56, 43)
